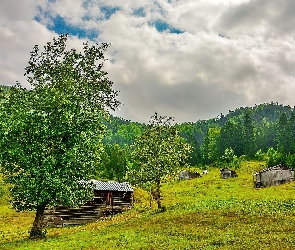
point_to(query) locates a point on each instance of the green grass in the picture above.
(203, 213)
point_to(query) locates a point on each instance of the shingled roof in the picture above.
(111, 186)
(277, 167)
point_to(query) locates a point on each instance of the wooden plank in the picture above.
(87, 206)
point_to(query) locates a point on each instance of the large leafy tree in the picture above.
(50, 133)
(159, 151)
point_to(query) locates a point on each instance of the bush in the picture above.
(260, 156)
(230, 160)
(290, 161)
(274, 157)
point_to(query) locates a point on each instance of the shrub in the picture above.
(260, 155)
(229, 159)
(274, 157)
(290, 161)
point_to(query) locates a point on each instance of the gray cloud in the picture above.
(230, 54)
(17, 10)
(188, 101)
(262, 17)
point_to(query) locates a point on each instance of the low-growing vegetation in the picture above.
(202, 213)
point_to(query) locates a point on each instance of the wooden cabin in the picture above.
(227, 173)
(109, 197)
(273, 176)
(187, 175)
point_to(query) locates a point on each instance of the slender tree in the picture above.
(159, 151)
(284, 135)
(248, 135)
(50, 134)
(265, 135)
(214, 144)
(189, 132)
(292, 126)
(231, 137)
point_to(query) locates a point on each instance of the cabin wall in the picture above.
(187, 175)
(227, 173)
(274, 178)
(103, 203)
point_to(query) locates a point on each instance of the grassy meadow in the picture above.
(203, 213)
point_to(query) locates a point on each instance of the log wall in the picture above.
(103, 203)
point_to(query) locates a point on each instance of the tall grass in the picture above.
(203, 213)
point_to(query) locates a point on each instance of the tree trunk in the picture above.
(38, 225)
(158, 191)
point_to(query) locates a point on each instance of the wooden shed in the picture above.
(109, 197)
(273, 176)
(187, 175)
(227, 173)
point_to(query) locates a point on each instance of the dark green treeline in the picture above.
(263, 132)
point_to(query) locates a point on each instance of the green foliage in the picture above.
(193, 135)
(113, 164)
(159, 151)
(292, 124)
(122, 132)
(4, 89)
(116, 158)
(284, 135)
(260, 155)
(248, 135)
(231, 136)
(246, 130)
(274, 157)
(211, 149)
(265, 135)
(229, 159)
(50, 134)
(290, 161)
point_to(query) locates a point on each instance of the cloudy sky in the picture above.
(191, 59)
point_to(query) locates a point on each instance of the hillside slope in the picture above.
(203, 213)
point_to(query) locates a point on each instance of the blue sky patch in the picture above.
(163, 26)
(109, 11)
(60, 26)
(139, 12)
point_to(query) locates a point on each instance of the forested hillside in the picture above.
(264, 132)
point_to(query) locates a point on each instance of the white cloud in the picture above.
(17, 40)
(230, 54)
